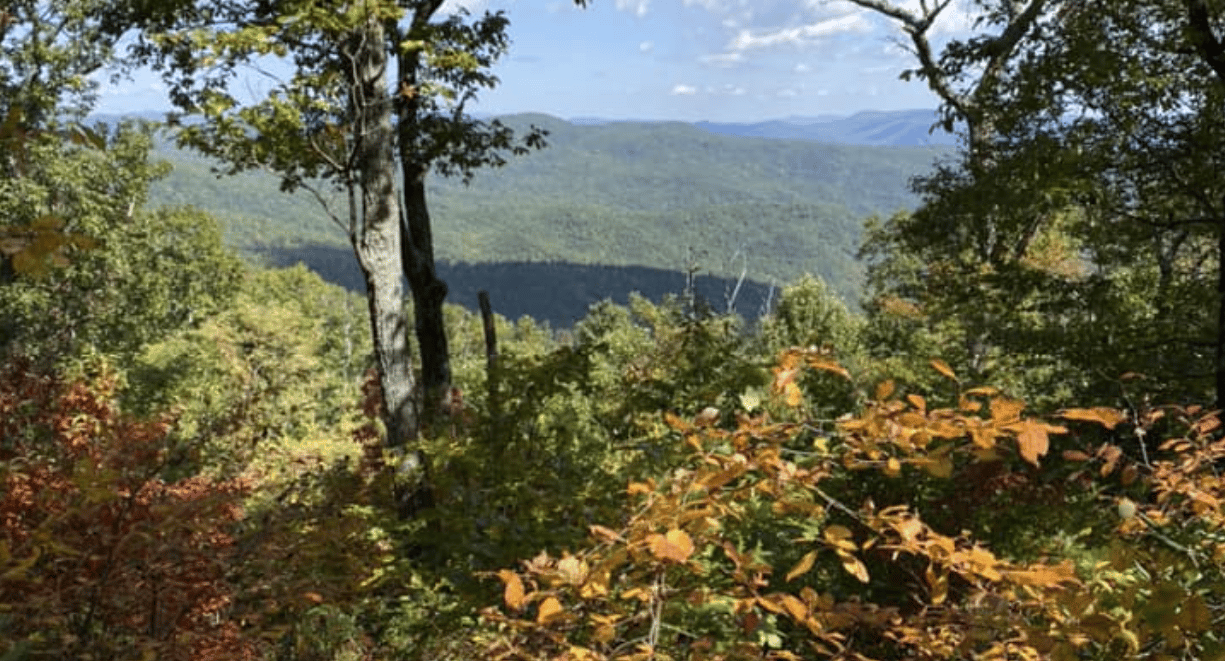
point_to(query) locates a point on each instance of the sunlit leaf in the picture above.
(938, 584)
(944, 369)
(1102, 415)
(854, 567)
(795, 608)
(1033, 441)
(513, 594)
(675, 546)
(803, 566)
(549, 611)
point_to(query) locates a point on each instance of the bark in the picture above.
(417, 241)
(376, 231)
(1220, 337)
(429, 293)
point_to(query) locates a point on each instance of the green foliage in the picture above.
(789, 207)
(142, 274)
(48, 52)
(1053, 258)
(271, 379)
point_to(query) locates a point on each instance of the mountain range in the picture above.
(653, 199)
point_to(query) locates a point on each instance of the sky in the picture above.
(687, 60)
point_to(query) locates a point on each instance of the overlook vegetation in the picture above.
(1013, 451)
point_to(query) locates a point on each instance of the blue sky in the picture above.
(718, 60)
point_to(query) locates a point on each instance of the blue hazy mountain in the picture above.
(901, 128)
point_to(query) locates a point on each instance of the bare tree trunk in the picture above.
(417, 240)
(376, 234)
(429, 292)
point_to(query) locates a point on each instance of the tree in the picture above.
(1090, 239)
(48, 51)
(373, 85)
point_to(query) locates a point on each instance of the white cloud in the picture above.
(646, 47)
(723, 59)
(802, 68)
(453, 6)
(684, 90)
(638, 7)
(757, 39)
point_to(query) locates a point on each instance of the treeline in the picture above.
(557, 294)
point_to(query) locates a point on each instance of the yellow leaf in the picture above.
(944, 369)
(917, 402)
(803, 566)
(939, 584)
(883, 390)
(550, 610)
(839, 537)
(795, 608)
(640, 487)
(853, 566)
(893, 467)
(675, 546)
(514, 592)
(605, 534)
(572, 570)
(941, 466)
(792, 393)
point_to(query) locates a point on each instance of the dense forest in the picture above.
(1011, 450)
(661, 195)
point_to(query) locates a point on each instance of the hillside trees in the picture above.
(374, 86)
(84, 266)
(1106, 140)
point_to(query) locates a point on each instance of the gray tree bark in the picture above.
(376, 230)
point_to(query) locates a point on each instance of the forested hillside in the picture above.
(661, 195)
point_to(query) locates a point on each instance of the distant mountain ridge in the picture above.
(897, 128)
(666, 196)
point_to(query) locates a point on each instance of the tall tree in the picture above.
(1108, 144)
(377, 88)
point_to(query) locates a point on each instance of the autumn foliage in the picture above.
(101, 558)
(750, 552)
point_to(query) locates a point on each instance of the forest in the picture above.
(1008, 447)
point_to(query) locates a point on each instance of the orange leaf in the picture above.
(676, 546)
(550, 610)
(1103, 415)
(1033, 441)
(944, 369)
(883, 390)
(803, 566)
(1004, 410)
(514, 592)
